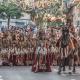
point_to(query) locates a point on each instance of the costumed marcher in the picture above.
(41, 60)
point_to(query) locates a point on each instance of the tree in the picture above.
(69, 12)
(9, 11)
(54, 9)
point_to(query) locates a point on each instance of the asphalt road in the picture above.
(24, 73)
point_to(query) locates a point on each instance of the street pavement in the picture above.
(24, 73)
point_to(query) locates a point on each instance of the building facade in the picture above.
(23, 21)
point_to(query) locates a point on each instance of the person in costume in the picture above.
(41, 60)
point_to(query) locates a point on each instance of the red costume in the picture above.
(41, 60)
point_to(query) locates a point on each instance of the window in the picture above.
(0, 23)
(19, 24)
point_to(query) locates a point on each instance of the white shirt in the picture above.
(37, 50)
(45, 51)
(41, 50)
(54, 49)
(26, 33)
(71, 35)
(35, 30)
(34, 35)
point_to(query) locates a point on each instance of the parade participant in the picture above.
(49, 58)
(20, 58)
(49, 54)
(31, 55)
(14, 59)
(41, 61)
(25, 57)
(54, 52)
(19, 55)
(34, 62)
(10, 57)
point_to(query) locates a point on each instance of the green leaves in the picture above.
(78, 5)
(2, 8)
(55, 8)
(11, 10)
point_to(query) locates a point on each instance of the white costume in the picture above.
(54, 49)
(34, 35)
(41, 50)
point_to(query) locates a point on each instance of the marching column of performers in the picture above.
(17, 57)
(24, 47)
(28, 56)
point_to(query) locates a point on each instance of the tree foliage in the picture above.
(9, 11)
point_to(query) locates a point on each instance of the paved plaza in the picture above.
(24, 73)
